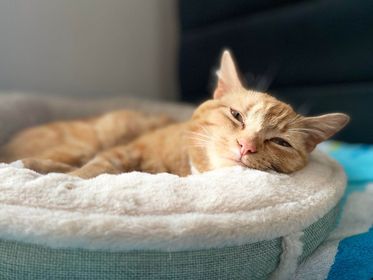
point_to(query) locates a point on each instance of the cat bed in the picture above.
(233, 223)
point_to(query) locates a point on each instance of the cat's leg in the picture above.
(70, 154)
(44, 166)
(63, 158)
(113, 161)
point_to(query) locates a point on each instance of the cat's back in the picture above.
(34, 141)
(90, 134)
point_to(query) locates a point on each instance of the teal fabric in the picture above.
(31, 262)
(356, 159)
(250, 261)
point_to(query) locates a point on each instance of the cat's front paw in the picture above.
(82, 174)
(45, 166)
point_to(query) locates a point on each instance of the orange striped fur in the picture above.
(236, 127)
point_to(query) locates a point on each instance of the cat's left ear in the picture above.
(228, 77)
(320, 128)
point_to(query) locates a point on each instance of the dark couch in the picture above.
(316, 55)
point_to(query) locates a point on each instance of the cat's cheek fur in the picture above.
(216, 161)
(288, 162)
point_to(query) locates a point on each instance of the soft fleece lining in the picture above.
(136, 210)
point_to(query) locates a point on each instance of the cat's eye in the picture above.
(280, 141)
(237, 115)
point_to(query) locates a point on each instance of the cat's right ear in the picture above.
(321, 128)
(228, 77)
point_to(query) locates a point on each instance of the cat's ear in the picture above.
(228, 77)
(320, 128)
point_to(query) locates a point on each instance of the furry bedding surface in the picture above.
(232, 223)
(137, 210)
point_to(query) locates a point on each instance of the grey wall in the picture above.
(89, 46)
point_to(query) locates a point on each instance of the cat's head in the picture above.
(243, 127)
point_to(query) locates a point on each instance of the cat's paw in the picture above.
(44, 166)
(80, 174)
(85, 173)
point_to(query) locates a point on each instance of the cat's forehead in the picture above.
(253, 100)
(261, 109)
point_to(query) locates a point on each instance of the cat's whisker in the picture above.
(194, 137)
(197, 145)
(204, 129)
(198, 132)
(202, 135)
(200, 143)
(198, 137)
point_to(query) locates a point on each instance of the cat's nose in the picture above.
(246, 146)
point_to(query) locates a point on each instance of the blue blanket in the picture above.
(348, 252)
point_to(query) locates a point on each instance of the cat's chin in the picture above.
(240, 162)
(236, 162)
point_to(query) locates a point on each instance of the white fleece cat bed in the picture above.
(232, 223)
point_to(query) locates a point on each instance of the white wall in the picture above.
(89, 46)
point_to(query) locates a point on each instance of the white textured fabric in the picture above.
(230, 206)
(292, 249)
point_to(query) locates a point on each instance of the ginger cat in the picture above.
(236, 127)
